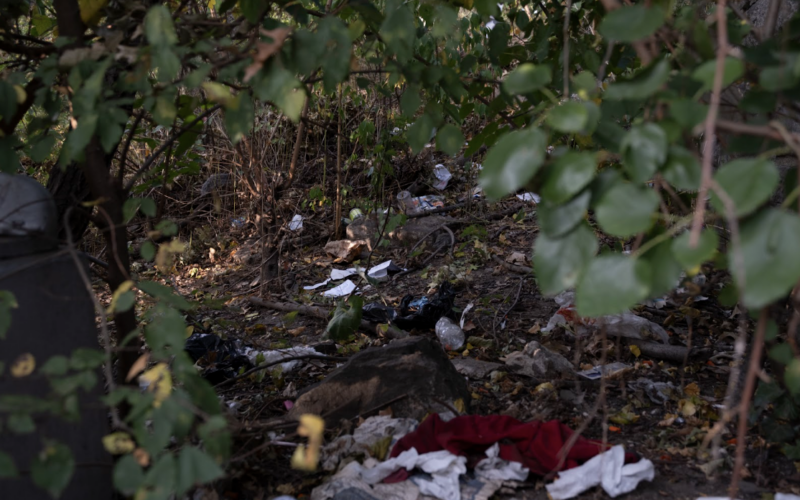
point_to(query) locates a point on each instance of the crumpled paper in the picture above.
(607, 469)
(494, 468)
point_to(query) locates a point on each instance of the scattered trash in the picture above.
(450, 334)
(238, 222)
(419, 204)
(535, 445)
(342, 290)
(428, 313)
(786, 496)
(623, 325)
(494, 468)
(296, 223)
(529, 197)
(467, 309)
(222, 358)
(260, 357)
(608, 469)
(378, 313)
(345, 250)
(379, 272)
(658, 392)
(408, 377)
(473, 368)
(611, 370)
(537, 361)
(355, 214)
(374, 437)
(518, 258)
(443, 174)
(416, 304)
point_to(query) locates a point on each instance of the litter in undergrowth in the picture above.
(296, 223)
(539, 362)
(260, 357)
(429, 312)
(342, 290)
(443, 175)
(608, 470)
(222, 359)
(657, 392)
(611, 370)
(623, 325)
(379, 272)
(374, 437)
(450, 334)
(345, 250)
(419, 204)
(529, 197)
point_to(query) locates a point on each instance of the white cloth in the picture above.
(494, 468)
(607, 469)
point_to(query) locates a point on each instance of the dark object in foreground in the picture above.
(412, 376)
(222, 358)
(423, 317)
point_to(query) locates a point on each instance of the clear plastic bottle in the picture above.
(450, 334)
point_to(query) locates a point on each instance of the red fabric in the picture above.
(534, 444)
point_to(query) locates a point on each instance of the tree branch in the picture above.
(31, 88)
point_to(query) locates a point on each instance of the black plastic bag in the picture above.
(222, 359)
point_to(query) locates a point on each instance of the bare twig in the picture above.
(264, 366)
(744, 405)
(567, 11)
(514, 268)
(710, 123)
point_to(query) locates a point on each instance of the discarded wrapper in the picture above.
(610, 370)
(529, 197)
(443, 175)
(296, 223)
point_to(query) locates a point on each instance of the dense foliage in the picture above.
(622, 115)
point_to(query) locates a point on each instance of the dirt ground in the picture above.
(508, 313)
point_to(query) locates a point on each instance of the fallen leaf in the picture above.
(692, 389)
(625, 416)
(613, 428)
(265, 50)
(668, 420)
(635, 350)
(312, 427)
(297, 331)
(687, 407)
(535, 328)
(468, 326)
(23, 365)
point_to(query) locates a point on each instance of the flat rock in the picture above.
(411, 376)
(539, 362)
(474, 368)
(366, 228)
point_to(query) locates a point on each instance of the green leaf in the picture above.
(734, 69)
(346, 321)
(758, 101)
(612, 284)
(195, 467)
(20, 423)
(239, 117)
(7, 467)
(158, 27)
(164, 293)
(526, 78)
(642, 86)
(792, 377)
(128, 475)
(147, 251)
(52, 468)
(769, 243)
(56, 366)
(559, 262)
(216, 437)
(8, 101)
(79, 137)
(688, 112)
(7, 303)
(570, 173)
(449, 140)
(665, 270)
(682, 169)
(167, 63)
(9, 160)
(777, 78)
(84, 358)
(570, 117)
(558, 220)
(691, 258)
(748, 182)
(513, 161)
(167, 329)
(644, 149)
(631, 23)
(626, 210)
(164, 111)
(43, 148)
(280, 86)
(338, 50)
(410, 102)
(252, 9)
(160, 479)
(398, 31)
(419, 133)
